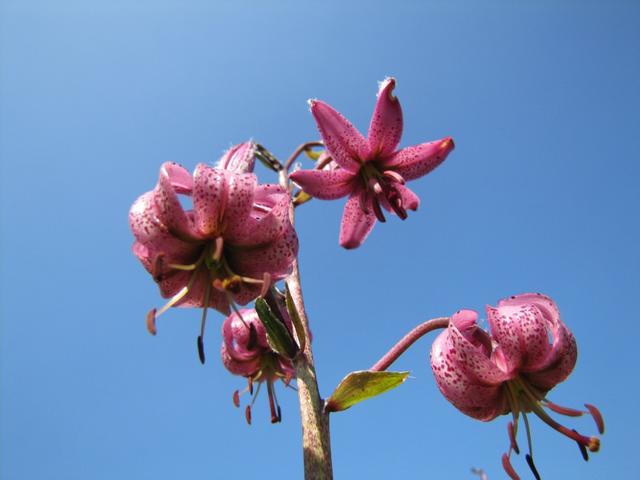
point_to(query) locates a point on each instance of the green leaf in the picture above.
(278, 336)
(295, 318)
(361, 385)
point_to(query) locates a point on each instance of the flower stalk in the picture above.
(316, 442)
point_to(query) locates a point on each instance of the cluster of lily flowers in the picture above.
(238, 241)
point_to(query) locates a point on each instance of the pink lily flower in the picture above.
(236, 240)
(371, 171)
(529, 351)
(246, 352)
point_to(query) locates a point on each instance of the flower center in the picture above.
(382, 188)
(219, 276)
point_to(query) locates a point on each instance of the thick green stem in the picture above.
(316, 441)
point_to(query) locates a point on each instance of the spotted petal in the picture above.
(358, 220)
(209, 198)
(385, 129)
(325, 184)
(345, 144)
(239, 158)
(414, 162)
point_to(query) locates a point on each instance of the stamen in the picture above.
(151, 321)
(201, 349)
(569, 412)
(236, 398)
(217, 253)
(266, 283)
(512, 438)
(377, 210)
(250, 386)
(395, 176)
(532, 466)
(247, 414)
(203, 323)
(186, 268)
(583, 451)
(274, 416)
(175, 299)
(506, 464)
(597, 417)
(528, 430)
(253, 337)
(255, 395)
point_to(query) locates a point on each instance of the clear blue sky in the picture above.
(541, 194)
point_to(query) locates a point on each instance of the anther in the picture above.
(250, 386)
(395, 176)
(253, 337)
(532, 466)
(151, 321)
(597, 417)
(506, 464)
(247, 414)
(583, 451)
(201, 349)
(512, 438)
(236, 398)
(217, 253)
(266, 284)
(377, 210)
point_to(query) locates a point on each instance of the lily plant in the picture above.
(236, 251)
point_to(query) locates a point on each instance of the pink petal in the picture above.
(153, 237)
(558, 360)
(275, 257)
(345, 144)
(237, 336)
(209, 198)
(453, 363)
(385, 129)
(356, 223)
(267, 220)
(169, 211)
(521, 333)
(414, 162)
(245, 368)
(240, 192)
(410, 200)
(325, 184)
(179, 177)
(239, 158)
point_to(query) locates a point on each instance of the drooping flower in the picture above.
(511, 370)
(236, 240)
(246, 352)
(371, 171)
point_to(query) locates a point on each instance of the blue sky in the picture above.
(540, 194)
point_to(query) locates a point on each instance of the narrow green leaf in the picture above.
(278, 335)
(361, 385)
(295, 318)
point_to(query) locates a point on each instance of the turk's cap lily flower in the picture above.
(372, 172)
(235, 241)
(246, 352)
(528, 351)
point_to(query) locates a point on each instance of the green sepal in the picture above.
(361, 385)
(278, 335)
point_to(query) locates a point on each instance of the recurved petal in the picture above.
(267, 219)
(325, 184)
(410, 200)
(418, 160)
(153, 237)
(179, 177)
(555, 364)
(245, 368)
(275, 257)
(480, 401)
(358, 220)
(210, 194)
(240, 193)
(345, 144)
(469, 350)
(169, 211)
(237, 335)
(385, 129)
(239, 158)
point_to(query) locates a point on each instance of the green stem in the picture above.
(316, 440)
